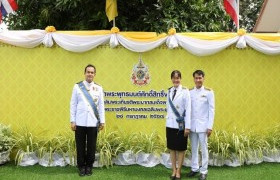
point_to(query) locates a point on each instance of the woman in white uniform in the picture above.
(177, 122)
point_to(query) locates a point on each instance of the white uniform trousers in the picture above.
(199, 139)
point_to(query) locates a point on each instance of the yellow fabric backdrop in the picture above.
(36, 84)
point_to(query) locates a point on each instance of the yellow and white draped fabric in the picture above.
(197, 43)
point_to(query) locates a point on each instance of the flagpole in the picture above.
(237, 15)
(114, 22)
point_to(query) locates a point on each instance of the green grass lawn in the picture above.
(269, 171)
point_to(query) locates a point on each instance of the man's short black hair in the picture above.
(198, 72)
(176, 72)
(90, 65)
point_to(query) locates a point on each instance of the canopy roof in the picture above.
(269, 18)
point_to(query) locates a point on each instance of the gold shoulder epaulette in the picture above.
(184, 87)
(170, 87)
(208, 89)
(97, 84)
(191, 88)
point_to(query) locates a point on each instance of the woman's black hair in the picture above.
(176, 72)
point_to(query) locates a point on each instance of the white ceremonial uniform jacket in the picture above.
(182, 102)
(80, 110)
(203, 109)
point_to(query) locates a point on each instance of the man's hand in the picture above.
(101, 126)
(73, 126)
(209, 132)
(187, 132)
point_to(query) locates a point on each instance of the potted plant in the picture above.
(254, 146)
(108, 145)
(165, 159)
(69, 149)
(125, 154)
(237, 150)
(51, 152)
(218, 148)
(6, 143)
(26, 146)
(148, 148)
(272, 153)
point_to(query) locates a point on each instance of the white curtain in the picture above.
(82, 43)
(26, 39)
(139, 46)
(203, 47)
(266, 47)
(76, 43)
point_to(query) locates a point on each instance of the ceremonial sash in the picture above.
(89, 99)
(180, 119)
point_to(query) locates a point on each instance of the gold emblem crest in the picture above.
(140, 73)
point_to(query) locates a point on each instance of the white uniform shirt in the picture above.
(80, 110)
(182, 102)
(203, 109)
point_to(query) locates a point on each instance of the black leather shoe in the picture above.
(172, 177)
(202, 176)
(177, 178)
(82, 171)
(192, 174)
(88, 171)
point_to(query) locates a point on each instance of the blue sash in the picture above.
(180, 119)
(90, 101)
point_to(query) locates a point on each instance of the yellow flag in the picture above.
(111, 9)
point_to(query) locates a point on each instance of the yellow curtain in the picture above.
(267, 36)
(143, 36)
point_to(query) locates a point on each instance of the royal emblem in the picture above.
(140, 73)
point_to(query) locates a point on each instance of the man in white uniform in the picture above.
(202, 119)
(85, 121)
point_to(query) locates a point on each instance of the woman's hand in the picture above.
(187, 132)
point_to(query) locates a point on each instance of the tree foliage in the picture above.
(134, 15)
(250, 10)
